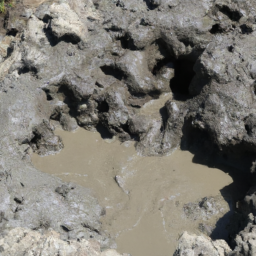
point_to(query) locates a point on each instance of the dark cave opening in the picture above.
(164, 114)
(35, 141)
(184, 73)
(36, 138)
(248, 129)
(46, 18)
(70, 38)
(253, 86)
(69, 97)
(155, 94)
(12, 32)
(139, 95)
(152, 4)
(234, 15)
(127, 43)
(216, 29)
(48, 94)
(125, 128)
(113, 71)
(65, 228)
(245, 29)
(9, 51)
(26, 69)
(103, 107)
(231, 48)
(124, 38)
(183, 68)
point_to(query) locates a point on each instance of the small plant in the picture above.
(4, 3)
(2, 6)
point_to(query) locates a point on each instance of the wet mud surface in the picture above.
(93, 63)
(144, 197)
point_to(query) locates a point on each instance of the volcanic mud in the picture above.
(174, 79)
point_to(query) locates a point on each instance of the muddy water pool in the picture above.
(143, 196)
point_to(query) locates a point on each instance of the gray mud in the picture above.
(167, 74)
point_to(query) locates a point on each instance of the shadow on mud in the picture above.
(233, 221)
(104, 132)
(228, 226)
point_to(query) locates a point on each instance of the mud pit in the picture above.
(144, 197)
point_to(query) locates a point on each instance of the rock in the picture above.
(88, 114)
(68, 123)
(44, 141)
(203, 213)
(22, 241)
(205, 208)
(121, 183)
(66, 23)
(118, 113)
(5, 47)
(201, 245)
(134, 66)
(172, 135)
(164, 77)
(148, 130)
(35, 30)
(141, 34)
(14, 21)
(64, 190)
(245, 241)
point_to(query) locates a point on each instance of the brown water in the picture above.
(143, 196)
(144, 212)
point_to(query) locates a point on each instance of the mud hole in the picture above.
(144, 197)
(148, 201)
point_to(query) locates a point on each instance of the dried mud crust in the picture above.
(97, 63)
(22, 241)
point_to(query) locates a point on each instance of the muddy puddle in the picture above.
(144, 197)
